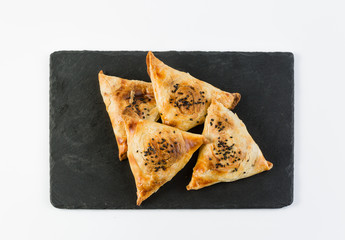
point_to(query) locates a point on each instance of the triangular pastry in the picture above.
(156, 153)
(182, 100)
(231, 153)
(123, 98)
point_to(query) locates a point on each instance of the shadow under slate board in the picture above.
(85, 171)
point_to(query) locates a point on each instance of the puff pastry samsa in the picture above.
(123, 98)
(231, 153)
(156, 153)
(182, 100)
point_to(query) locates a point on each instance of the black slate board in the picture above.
(85, 171)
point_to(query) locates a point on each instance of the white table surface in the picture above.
(313, 30)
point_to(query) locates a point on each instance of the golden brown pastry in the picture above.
(156, 153)
(182, 100)
(231, 153)
(123, 98)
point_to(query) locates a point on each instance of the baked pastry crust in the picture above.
(126, 98)
(182, 100)
(231, 153)
(156, 153)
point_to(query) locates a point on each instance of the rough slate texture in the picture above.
(85, 170)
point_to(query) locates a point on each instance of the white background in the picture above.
(313, 30)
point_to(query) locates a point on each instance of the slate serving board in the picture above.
(85, 171)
